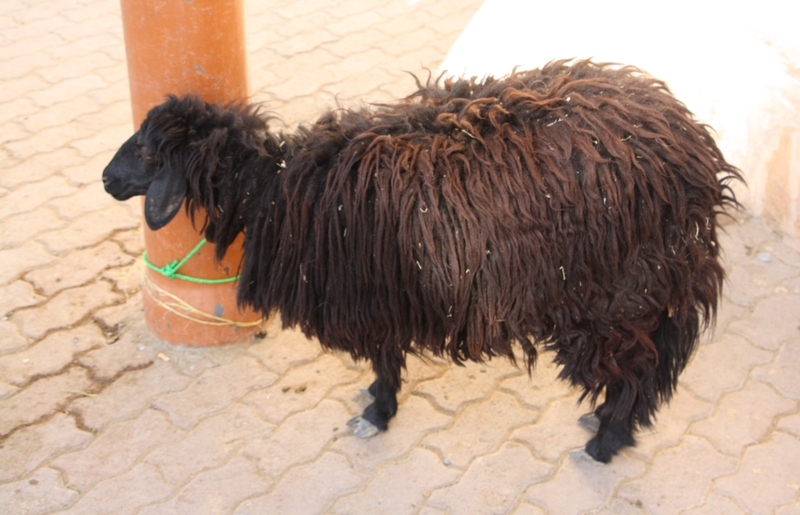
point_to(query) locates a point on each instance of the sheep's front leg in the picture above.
(384, 406)
(376, 416)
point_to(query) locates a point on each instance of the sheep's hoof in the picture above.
(607, 443)
(589, 421)
(599, 451)
(362, 427)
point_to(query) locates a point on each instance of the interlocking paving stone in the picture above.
(89, 198)
(125, 494)
(315, 428)
(186, 360)
(715, 505)
(51, 138)
(415, 419)
(7, 390)
(622, 507)
(101, 142)
(22, 24)
(722, 366)
(556, 430)
(134, 349)
(49, 355)
(356, 86)
(793, 508)
(670, 425)
(89, 44)
(59, 113)
(418, 369)
(790, 285)
(89, 229)
(427, 510)
(19, 260)
(78, 268)
(460, 443)
(307, 489)
(282, 350)
(300, 388)
(771, 321)
(755, 279)
(30, 45)
(132, 241)
(23, 65)
(786, 250)
(581, 484)
(215, 491)
(400, 486)
(18, 294)
(89, 171)
(213, 391)
(16, 229)
(75, 67)
(28, 448)
(11, 340)
(65, 308)
(460, 385)
(128, 396)
(689, 469)
(742, 239)
(743, 418)
(41, 399)
(42, 493)
(12, 110)
(537, 390)
(15, 132)
(209, 445)
(31, 195)
(790, 424)
(116, 316)
(782, 373)
(727, 312)
(492, 482)
(119, 112)
(528, 509)
(116, 450)
(40, 166)
(768, 475)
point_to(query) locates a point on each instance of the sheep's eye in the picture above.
(146, 157)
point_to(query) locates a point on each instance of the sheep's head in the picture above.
(187, 149)
(133, 171)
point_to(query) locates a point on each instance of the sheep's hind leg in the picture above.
(376, 416)
(615, 430)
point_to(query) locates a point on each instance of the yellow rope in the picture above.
(180, 307)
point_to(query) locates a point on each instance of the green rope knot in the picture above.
(170, 270)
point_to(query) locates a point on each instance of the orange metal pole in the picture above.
(188, 46)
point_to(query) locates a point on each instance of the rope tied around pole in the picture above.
(170, 270)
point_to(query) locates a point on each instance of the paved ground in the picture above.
(98, 417)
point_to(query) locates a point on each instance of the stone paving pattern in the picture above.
(96, 416)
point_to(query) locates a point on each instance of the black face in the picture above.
(132, 172)
(126, 175)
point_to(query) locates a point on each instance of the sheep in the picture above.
(574, 207)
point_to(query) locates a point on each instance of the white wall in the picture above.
(735, 64)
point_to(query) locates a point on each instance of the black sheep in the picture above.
(574, 206)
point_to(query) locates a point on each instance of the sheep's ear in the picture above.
(164, 197)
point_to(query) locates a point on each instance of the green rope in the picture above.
(170, 270)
